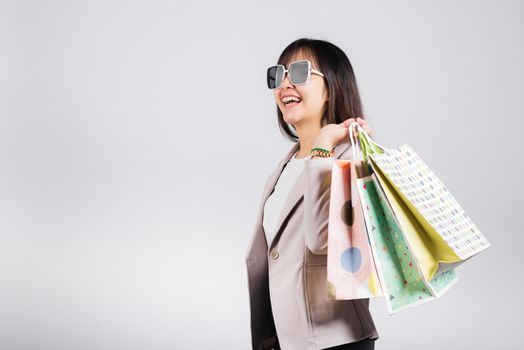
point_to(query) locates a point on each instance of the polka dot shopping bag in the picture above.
(351, 271)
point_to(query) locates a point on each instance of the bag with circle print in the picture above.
(351, 271)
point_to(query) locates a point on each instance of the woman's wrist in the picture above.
(322, 142)
(322, 148)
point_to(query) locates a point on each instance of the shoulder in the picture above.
(344, 151)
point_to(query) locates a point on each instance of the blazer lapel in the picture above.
(258, 246)
(296, 194)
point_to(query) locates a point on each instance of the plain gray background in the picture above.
(135, 138)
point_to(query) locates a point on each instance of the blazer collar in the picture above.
(296, 193)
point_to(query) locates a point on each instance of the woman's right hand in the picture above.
(333, 134)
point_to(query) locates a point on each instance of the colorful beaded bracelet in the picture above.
(321, 152)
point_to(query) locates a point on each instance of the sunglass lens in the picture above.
(298, 72)
(274, 76)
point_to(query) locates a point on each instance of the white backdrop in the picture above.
(136, 136)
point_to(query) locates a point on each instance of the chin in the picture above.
(291, 119)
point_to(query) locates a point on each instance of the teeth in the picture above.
(289, 99)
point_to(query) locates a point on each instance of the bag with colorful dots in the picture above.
(351, 271)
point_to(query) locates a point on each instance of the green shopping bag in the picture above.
(399, 274)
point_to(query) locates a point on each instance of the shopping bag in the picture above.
(438, 231)
(351, 271)
(399, 275)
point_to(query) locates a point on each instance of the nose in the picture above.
(286, 84)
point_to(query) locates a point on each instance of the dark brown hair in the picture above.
(344, 99)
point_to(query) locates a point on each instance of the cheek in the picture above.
(316, 99)
(316, 93)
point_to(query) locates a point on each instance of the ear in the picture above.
(326, 90)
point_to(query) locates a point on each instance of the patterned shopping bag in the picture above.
(351, 271)
(440, 234)
(400, 277)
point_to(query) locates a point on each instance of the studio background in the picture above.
(136, 136)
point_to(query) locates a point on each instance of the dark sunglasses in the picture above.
(299, 73)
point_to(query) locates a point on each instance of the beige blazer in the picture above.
(287, 278)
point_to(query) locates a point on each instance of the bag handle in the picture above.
(355, 147)
(364, 144)
(367, 139)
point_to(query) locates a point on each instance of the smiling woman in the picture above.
(301, 104)
(317, 99)
(335, 71)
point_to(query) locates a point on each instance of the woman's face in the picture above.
(313, 97)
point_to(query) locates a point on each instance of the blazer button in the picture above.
(274, 255)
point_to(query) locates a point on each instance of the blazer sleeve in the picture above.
(316, 201)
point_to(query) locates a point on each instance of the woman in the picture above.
(315, 90)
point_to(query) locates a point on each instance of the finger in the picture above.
(361, 122)
(364, 124)
(348, 122)
(366, 128)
